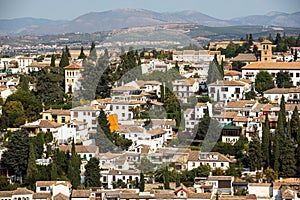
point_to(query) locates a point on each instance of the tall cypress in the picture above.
(93, 53)
(255, 154)
(52, 64)
(142, 182)
(81, 55)
(266, 143)
(64, 61)
(295, 124)
(32, 171)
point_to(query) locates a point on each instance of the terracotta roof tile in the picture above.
(227, 83)
(80, 193)
(74, 66)
(273, 65)
(80, 148)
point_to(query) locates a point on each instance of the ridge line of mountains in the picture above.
(124, 18)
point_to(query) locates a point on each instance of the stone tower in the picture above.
(266, 51)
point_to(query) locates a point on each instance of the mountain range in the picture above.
(123, 18)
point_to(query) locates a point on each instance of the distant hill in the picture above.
(124, 18)
(271, 19)
(18, 25)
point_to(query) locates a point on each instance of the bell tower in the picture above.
(266, 51)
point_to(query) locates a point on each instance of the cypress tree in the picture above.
(295, 124)
(266, 143)
(52, 64)
(68, 51)
(64, 61)
(142, 182)
(297, 157)
(54, 174)
(92, 173)
(81, 55)
(32, 171)
(287, 158)
(282, 110)
(93, 53)
(166, 178)
(177, 180)
(255, 154)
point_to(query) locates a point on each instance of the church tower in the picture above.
(266, 51)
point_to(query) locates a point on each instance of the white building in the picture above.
(87, 114)
(213, 159)
(291, 95)
(72, 74)
(57, 189)
(250, 71)
(227, 90)
(193, 116)
(184, 88)
(85, 152)
(129, 177)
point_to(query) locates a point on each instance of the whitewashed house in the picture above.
(87, 114)
(184, 88)
(227, 90)
(213, 159)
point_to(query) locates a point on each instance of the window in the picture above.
(123, 114)
(222, 164)
(104, 178)
(224, 89)
(123, 177)
(297, 74)
(212, 90)
(63, 119)
(214, 164)
(75, 114)
(84, 113)
(114, 178)
(123, 107)
(88, 113)
(291, 74)
(238, 90)
(117, 107)
(46, 117)
(43, 189)
(93, 114)
(266, 58)
(93, 121)
(224, 96)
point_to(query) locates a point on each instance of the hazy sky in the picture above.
(70, 9)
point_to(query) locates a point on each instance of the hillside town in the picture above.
(219, 122)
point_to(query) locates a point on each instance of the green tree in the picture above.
(52, 63)
(218, 171)
(54, 175)
(48, 137)
(68, 51)
(166, 178)
(176, 66)
(39, 144)
(287, 158)
(32, 171)
(250, 95)
(81, 55)
(142, 182)
(255, 154)
(263, 81)
(93, 53)
(64, 61)
(266, 143)
(74, 170)
(49, 87)
(15, 159)
(31, 104)
(15, 113)
(283, 79)
(271, 175)
(92, 173)
(295, 124)
(145, 165)
(177, 180)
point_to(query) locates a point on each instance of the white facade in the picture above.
(227, 90)
(87, 114)
(185, 88)
(213, 159)
(261, 190)
(129, 177)
(250, 71)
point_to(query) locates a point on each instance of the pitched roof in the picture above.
(130, 129)
(227, 115)
(240, 104)
(156, 131)
(245, 57)
(20, 191)
(227, 83)
(195, 156)
(57, 112)
(80, 148)
(232, 73)
(80, 193)
(74, 66)
(49, 124)
(42, 195)
(84, 108)
(277, 91)
(50, 183)
(125, 88)
(273, 65)
(60, 196)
